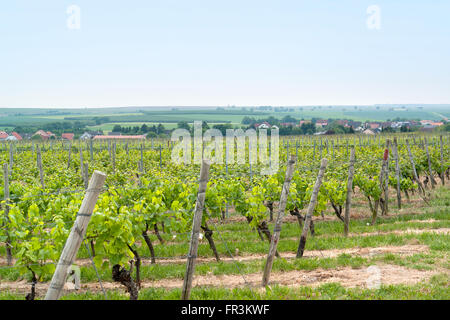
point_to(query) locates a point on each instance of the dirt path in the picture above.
(347, 277)
(331, 253)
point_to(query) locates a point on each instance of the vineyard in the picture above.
(340, 212)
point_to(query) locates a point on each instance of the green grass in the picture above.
(434, 289)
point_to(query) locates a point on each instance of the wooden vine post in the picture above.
(114, 157)
(419, 183)
(6, 191)
(311, 206)
(109, 150)
(81, 162)
(86, 175)
(386, 178)
(430, 169)
(70, 154)
(348, 200)
(142, 158)
(443, 169)
(193, 248)
(91, 149)
(11, 156)
(76, 236)
(39, 164)
(397, 173)
(279, 220)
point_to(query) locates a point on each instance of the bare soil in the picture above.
(381, 274)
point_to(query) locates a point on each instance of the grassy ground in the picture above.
(421, 229)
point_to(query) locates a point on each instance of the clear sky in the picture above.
(233, 52)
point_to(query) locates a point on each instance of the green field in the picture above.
(170, 116)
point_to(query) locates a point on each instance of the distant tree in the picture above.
(389, 130)
(117, 128)
(223, 127)
(183, 125)
(445, 127)
(144, 128)
(248, 120)
(160, 129)
(288, 119)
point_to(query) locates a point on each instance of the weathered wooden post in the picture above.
(386, 179)
(311, 207)
(11, 156)
(443, 169)
(109, 150)
(430, 169)
(416, 177)
(320, 156)
(39, 164)
(142, 158)
(346, 152)
(81, 161)
(114, 157)
(348, 200)
(91, 149)
(314, 151)
(70, 154)
(86, 175)
(6, 197)
(279, 220)
(76, 236)
(193, 248)
(397, 173)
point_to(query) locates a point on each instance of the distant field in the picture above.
(170, 116)
(62, 117)
(107, 127)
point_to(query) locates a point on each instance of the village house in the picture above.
(321, 123)
(368, 132)
(264, 125)
(88, 135)
(44, 135)
(303, 122)
(17, 136)
(373, 125)
(67, 136)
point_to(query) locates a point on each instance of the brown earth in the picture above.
(347, 277)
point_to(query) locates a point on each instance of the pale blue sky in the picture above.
(246, 52)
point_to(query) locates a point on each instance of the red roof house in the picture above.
(44, 135)
(321, 123)
(3, 135)
(18, 136)
(67, 136)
